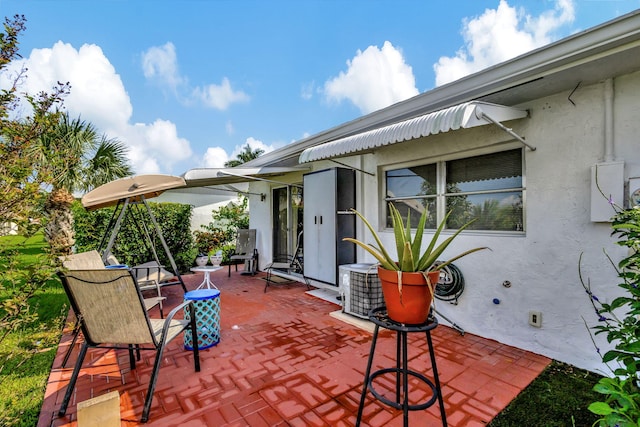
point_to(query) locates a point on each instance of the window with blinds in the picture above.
(487, 189)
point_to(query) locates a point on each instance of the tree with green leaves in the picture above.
(77, 158)
(21, 181)
(245, 155)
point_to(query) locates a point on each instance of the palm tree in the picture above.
(244, 156)
(76, 159)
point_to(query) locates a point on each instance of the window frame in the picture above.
(441, 194)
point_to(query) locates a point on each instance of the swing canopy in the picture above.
(133, 188)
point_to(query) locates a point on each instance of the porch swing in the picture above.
(129, 196)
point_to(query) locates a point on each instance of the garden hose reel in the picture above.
(449, 288)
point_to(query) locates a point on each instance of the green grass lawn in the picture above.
(558, 397)
(26, 354)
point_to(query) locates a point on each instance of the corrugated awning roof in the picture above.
(466, 115)
(220, 176)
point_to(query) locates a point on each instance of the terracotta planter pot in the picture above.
(414, 305)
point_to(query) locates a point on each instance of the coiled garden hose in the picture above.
(450, 285)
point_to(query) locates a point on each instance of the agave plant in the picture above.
(410, 257)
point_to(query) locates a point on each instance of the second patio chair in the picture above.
(288, 264)
(92, 260)
(111, 310)
(246, 251)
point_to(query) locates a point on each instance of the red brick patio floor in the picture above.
(284, 361)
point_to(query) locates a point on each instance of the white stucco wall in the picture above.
(542, 265)
(260, 219)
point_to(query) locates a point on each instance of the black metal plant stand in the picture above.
(379, 317)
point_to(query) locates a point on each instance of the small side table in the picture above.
(379, 317)
(207, 304)
(207, 270)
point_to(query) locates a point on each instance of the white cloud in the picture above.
(160, 142)
(160, 63)
(375, 78)
(501, 34)
(215, 157)
(99, 97)
(219, 96)
(255, 144)
(96, 90)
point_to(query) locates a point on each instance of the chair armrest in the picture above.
(172, 313)
(281, 261)
(151, 272)
(179, 307)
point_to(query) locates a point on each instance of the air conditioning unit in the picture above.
(360, 288)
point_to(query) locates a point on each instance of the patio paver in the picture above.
(284, 361)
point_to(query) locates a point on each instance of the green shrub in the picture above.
(130, 246)
(619, 321)
(33, 307)
(209, 241)
(221, 233)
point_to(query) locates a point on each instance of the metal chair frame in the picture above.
(289, 263)
(110, 316)
(245, 251)
(93, 260)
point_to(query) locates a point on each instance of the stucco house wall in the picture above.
(581, 95)
(260, 219)
(542, 264)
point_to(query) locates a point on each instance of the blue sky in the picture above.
(188, 83)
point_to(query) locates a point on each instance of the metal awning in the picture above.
(462, 116)
(220, 176)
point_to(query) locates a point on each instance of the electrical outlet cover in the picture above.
(535, 319)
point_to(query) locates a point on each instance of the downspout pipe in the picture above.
(609, 154)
